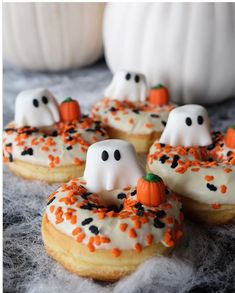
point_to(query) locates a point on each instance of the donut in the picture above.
(39, 145)
(129, 115)
(105, 224)
(197, 164)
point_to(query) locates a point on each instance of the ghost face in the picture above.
(127, 85)
(187, 126)
(36, 108)
(111, 164)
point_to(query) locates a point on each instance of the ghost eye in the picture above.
(137, 78)
(104, 156)
(117, 155)
(200, 120)
(44, 100)
(35, 103)
(128, 76)
(188, 121)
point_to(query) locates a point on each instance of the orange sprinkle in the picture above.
(132, 233)
(223, 188)
(149, 239)
(91, 247)
(104, 239)
(46, 217)
(138, 247)
(169, 220)
(97, 240)
(209, 178)
(123, 227)
(78, 162)
(80, 237)
(149, 125)
(215, 206)
(76, 231)
(52, 208)
(57, 160)
(131, 121)
(59, 220)
(227, 170)
(116, 252)
(137, 224)
(73, 220)
(101, 215)
(195, 169)
(167, 239)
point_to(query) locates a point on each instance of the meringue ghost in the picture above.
(36, 108)
(111, 164)
(187, 126)
(127, 85)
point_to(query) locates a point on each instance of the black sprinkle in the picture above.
(222, 144)
(161, 214)
(113, 109)
(140, 212)
(9, 129)
(10, 158)
(71, 130)
(229, 153)
(84, 116)
(211, 147)
(210, 159)
(136, 111)
(54, 133)
(89, 206)
(29, 151)
(133, 193)
(163, 159)
(69, 148)
(8, 144)
(138, 205)
(155, 115)
(51, 200)
(158, 224)
(90, 130)
(211, 187)
(85, 195)
(162, 145)
(94, 229)
(44, 135)
(87, 221)
(121, 195)
(69, 138)
(175, 161)
(163, 123)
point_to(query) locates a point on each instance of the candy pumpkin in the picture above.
(230, 137)
(150, 190)
(70, 110)
(159, 95)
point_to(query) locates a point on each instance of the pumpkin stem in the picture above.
(152, 177)
(69, 99)
(158, 86)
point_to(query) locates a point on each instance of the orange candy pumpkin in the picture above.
(70, 110)
(159, 95)
(230, 137)
(150, 190)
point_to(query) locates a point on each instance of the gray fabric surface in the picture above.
(205, 260)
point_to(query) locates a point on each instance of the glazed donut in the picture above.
(129, 115)
(54, 153)
(204, 176)
(105, 235)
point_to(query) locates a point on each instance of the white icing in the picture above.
(156, 116)
(111, 164)
(110, 226)
(36, 108)
(60, 147)
(178, 132)
(193, 184)
(127, 85)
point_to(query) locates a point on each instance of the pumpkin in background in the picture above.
(52, 36)
(189, 47)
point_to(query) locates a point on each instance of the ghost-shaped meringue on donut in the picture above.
(36, 108)
(187, 126)
(111, 164)
(127, 85)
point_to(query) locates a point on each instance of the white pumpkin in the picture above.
(52, 36)
(189, 47)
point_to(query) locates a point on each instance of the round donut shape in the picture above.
(140, 123)
(93, 239)
(52, 154)
(203, 176)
